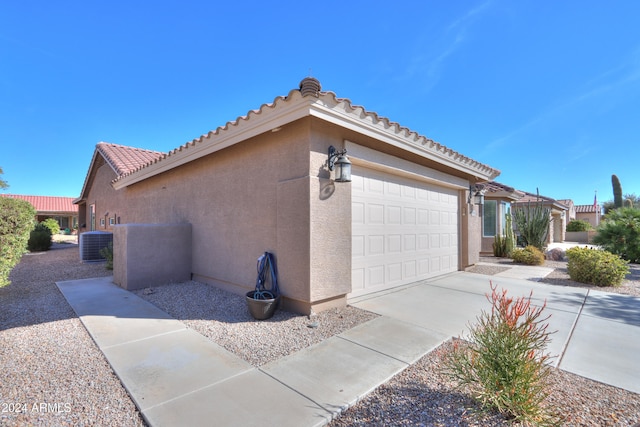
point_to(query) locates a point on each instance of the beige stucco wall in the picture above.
(471, 231)
(151, 254)
(589, 217)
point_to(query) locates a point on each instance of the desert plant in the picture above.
(596, 267)
(505, 366)
(107, 253)
(579, 225)
(39, 239)
(504, 244)
(52, 225)
(533, 223)
(499, 246)
(16, 221)
(617, 191)
(619, 233)
(529, 255)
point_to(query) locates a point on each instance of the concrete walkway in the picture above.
(178, 377)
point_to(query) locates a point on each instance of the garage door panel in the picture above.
(403, 231)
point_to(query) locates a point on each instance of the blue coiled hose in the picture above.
(266, 262)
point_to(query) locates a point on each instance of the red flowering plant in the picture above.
(504, 365)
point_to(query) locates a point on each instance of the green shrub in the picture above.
(16, 221)
(505, 366)
(596, 267)
(579, 225)
(107, 253)
(39, 239)
(52, 225)
(619, 233)
(530, 255)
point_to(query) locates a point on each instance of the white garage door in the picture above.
(403, 231)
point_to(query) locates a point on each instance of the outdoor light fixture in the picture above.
(339, 160)
(477, 193)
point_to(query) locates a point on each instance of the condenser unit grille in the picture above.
(92, 242)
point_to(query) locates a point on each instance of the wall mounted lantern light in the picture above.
(476, 194)
(339, 160)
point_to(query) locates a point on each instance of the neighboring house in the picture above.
(61, 209)
(559, 214)
(497, 205)
(589, 213)
(571, 209)
(262, 183)
(109, 161)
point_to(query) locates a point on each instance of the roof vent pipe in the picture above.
(310, 86)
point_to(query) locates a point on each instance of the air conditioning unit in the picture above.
(92, 242)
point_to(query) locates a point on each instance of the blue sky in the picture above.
(547, 92)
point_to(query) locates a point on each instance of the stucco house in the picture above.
(62, 209)
(497, 205)
(559, 214)
(262, 183)
(500, 198)
(589, 213)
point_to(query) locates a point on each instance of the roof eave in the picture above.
(255, 123)
(293, 107)
(394, 135)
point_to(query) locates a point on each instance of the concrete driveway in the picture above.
(598, 333)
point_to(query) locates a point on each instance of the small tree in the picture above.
(3, 184)
(619, 233)
(533, 223)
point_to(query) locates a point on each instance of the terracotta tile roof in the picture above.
(533, 198)
(125, 160)
(586, 209)
(310, 89)
(496, 187)
(48, 203)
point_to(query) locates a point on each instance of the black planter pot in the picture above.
(262, 309)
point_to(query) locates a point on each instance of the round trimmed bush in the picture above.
(596, 267)
(530, 255)
(39, 239)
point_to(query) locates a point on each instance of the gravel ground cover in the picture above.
(422, 395)
(223, 318)
(54, 375)
(52, 372)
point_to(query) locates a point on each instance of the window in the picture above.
(112, 221)
(489, 218)
(92, 217)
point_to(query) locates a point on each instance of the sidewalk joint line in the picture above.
(573, 328)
